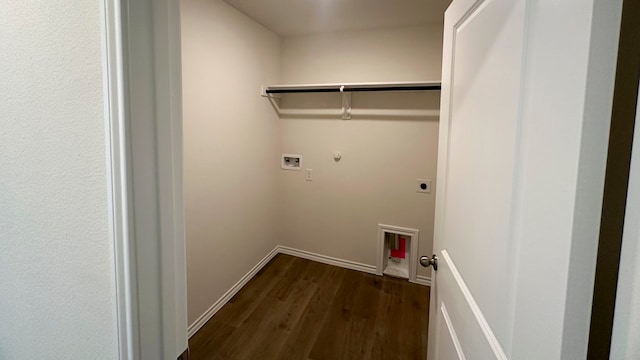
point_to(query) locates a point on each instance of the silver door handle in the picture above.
(426, 261)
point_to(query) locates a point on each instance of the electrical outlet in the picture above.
(424, 186)
(308, 174)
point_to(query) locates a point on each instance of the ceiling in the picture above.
(299, 17)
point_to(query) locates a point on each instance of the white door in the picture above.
(479, 207)
(476, 178)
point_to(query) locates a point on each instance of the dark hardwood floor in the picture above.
(300, 309)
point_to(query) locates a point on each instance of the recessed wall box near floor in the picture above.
(397, 251)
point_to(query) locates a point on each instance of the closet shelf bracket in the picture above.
(346, 104)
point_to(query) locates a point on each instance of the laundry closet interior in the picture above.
(310, 131)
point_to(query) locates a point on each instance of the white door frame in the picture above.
(614, 336)
(143, 112)
(144, 151)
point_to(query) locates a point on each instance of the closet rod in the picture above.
(351, 87)
(354, 89)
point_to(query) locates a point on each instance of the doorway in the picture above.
(304, 136)
(237, 158)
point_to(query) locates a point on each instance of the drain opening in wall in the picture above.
(397, 264)
(397, 250)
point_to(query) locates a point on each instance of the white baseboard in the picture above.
(423, 280)
(347, 264)
(193, 328)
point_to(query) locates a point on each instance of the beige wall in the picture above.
(239, 204)
(338, 212)
(230, 147)
(406, 54)
(57, 288)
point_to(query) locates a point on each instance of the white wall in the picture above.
(375, 182)
(626, 325)
(230, 148)
(57, 295)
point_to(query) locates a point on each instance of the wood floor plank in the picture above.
(245, 301)
(425, 319)
(290, 304)
(388, 322)
(255, 330)
(410, 341)
(203, 345)
(346, 330)
(334, 328)
(302, 337)
(296, 309)
(359, 341)
(401, 334)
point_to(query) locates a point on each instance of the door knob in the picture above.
(426, 261)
